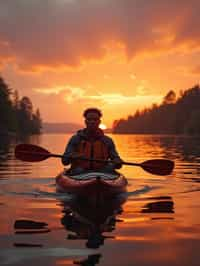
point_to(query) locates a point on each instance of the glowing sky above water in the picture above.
(118, 55)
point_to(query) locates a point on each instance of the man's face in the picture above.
(92, 121)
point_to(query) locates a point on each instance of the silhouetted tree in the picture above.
(170, 97)
(6, 110)
(25, 115)
(15, 100)
(36, 122)
(192, 126)
(17, 115)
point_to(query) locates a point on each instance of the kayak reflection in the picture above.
(89, 221)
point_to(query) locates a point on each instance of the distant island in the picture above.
(60, 127)
(175, 115)
(48, 127)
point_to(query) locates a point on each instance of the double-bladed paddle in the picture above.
(33, 153)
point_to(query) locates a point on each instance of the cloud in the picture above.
(72, 94)
(75, 94)
(68, 93)
(132, 76)
(63, 33)
(118, 99)
(196, 70)
(106, 76)
(141, 90)
(188, 70)
(5, 55)
(50, 91)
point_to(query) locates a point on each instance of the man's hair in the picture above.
(92, 110)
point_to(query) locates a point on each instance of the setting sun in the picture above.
(103, 126)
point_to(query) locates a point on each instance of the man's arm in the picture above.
(112, 149)
(114, 155)
(70, 148)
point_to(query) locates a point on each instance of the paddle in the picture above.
(33, 153)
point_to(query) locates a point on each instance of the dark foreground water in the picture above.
(156, 223)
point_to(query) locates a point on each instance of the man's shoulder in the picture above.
(76, 136)
(107, 139)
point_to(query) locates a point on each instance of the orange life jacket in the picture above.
(95, 150)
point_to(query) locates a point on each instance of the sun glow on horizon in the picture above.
(102, 126)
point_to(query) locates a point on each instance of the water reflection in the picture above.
(30, 227)
(4, 147)
(166, 206)
(174, 146)
(27, 245)
(89, 221)
(192, 179)
(149, 221)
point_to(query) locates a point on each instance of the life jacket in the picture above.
(95, 149)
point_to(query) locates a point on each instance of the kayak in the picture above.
(91, 183)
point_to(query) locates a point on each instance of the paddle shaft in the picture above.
(92, 160)
(157, 167)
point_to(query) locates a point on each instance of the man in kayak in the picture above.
(91, 143)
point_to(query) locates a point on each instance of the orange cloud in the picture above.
(53, 34)
(72, 94)
(196, 70)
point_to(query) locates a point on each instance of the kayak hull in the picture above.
(91, 184)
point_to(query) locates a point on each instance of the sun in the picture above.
(102, 126)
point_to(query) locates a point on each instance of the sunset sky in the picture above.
(117, 55)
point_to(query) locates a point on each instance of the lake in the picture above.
(157, 222)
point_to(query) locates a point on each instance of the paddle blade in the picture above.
(31, 153)
(158, 166)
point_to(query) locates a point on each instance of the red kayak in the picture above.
(91, 183)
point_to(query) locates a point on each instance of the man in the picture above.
(91, 143)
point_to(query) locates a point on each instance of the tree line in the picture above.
(175, 115)
(16, 114)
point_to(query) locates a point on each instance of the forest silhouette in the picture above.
(16, 115)
(175, 115)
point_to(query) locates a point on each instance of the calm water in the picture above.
(156, 223)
